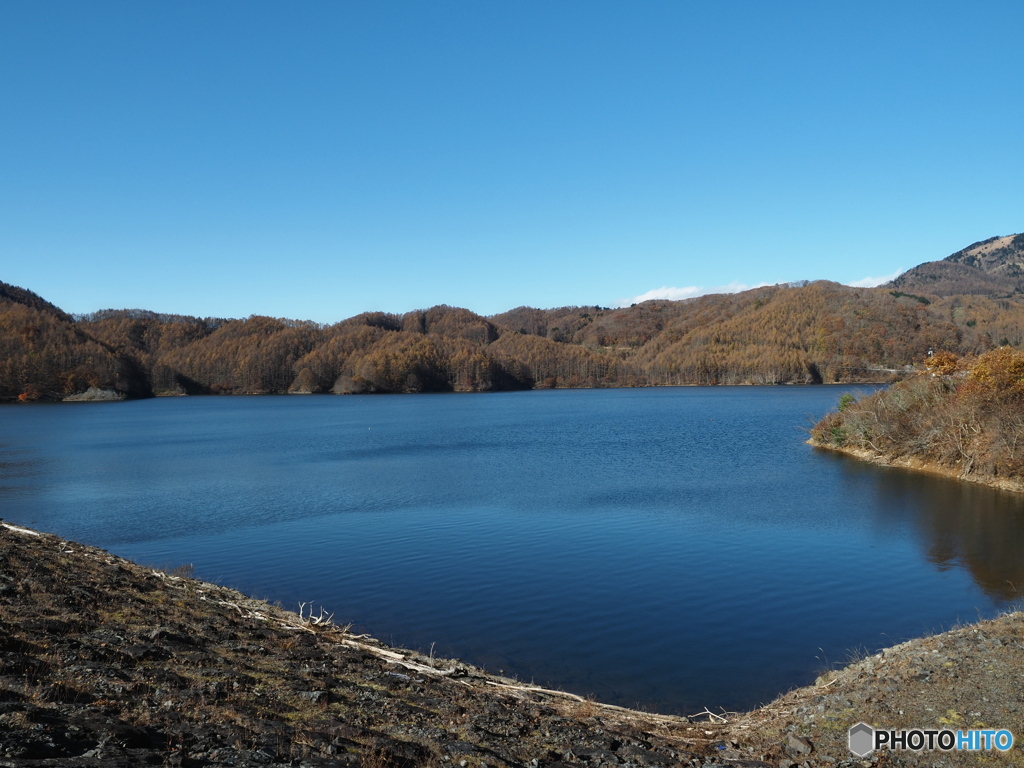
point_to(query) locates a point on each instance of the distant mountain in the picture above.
(993, 267)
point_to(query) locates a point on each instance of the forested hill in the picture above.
(807, 333)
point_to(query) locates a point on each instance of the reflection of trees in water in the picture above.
(972, 526)
(983, 530)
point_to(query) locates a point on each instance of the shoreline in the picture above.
(920, 465)
(298, 685)
(125, 665)
(122, 397)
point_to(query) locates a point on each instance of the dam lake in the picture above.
(670, 549)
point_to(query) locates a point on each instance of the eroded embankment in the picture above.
(922, 465)
(107, 663)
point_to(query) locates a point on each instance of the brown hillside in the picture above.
(12, 294)
(44, 354)
(993, 267)
(797, 333)
(963, 417)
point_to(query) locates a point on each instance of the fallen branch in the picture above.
(323, 620)
(711, 714)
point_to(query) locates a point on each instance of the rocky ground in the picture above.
(106, 663)
(971, 677)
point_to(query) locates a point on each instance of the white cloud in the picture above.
(665, 292)
(689, 292)
(871, 282)
(672, 293)
(735, 287)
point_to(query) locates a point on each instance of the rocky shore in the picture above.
(96, 395)
(104, 662)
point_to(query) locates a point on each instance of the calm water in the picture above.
(668, 548)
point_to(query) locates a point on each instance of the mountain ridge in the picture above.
(992, 267)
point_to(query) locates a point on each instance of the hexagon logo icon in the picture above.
(861, 739)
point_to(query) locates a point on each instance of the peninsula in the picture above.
(958, 417)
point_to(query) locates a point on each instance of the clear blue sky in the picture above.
(315, 160)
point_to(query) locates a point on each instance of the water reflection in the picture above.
(961, 525)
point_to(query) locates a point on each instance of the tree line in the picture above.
(819, 332)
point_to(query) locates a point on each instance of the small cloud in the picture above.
(872, 282)
(689, 292)
(665, 292)
(735, 287)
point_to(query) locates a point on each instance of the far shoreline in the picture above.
(121, 397)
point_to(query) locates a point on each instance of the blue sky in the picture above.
(315, 160)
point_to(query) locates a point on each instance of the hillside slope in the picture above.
(44, 354)
(992, 267)
(820, 332)
(800, 333)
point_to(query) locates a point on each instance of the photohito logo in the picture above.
(863, 739)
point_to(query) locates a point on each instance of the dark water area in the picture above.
(664, 548)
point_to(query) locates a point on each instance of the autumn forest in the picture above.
(798, 333)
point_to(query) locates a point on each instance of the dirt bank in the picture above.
(107, 663)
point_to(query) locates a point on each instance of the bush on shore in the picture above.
(963, 414)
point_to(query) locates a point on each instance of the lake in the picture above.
(670, 549)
